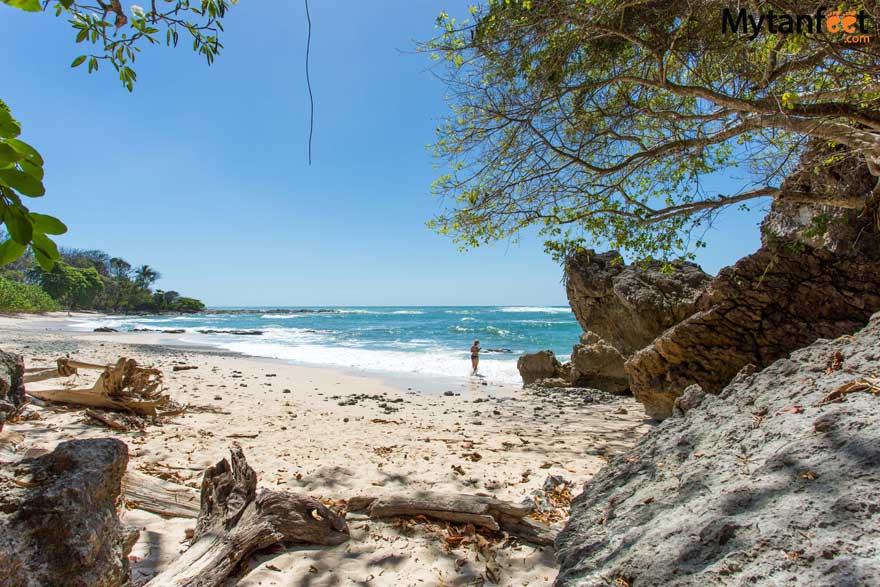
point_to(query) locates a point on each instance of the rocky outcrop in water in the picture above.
(630, 305)
(776, 481)
(598, 365)
(11, 385)
(817, 275)
(58, 522)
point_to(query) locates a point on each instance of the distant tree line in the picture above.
(86, 279)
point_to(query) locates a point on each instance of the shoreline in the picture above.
(334, 435)
(405, 381)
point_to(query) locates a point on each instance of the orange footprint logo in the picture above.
(839, 21)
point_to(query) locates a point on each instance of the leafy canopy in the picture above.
(116, 36)
(604, 120)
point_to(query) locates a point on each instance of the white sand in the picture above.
(307, 442)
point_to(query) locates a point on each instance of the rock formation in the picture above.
(598, 365)
(776, 481)
(630, 305)
(817, 275)
(11, 385)
(58, 522)
(535, 367)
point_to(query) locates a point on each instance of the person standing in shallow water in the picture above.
(475, 356)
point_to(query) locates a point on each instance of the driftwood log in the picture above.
(235, 521)
(151, 494)
(124, 386)
(480, 510)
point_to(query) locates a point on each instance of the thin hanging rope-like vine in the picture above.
(309, 82)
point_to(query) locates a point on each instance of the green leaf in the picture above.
(10, 251)
(43, 244)
(45, 263)
(9, 127)
(47, 224)
(28, 5)
(19, 225)
(34, 171)
(8, 154)
(25, 149)
(21, 181)
(78, 61)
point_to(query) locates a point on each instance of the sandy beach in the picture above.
(334, 435)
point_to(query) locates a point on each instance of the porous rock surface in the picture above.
(784, 296)
(762, 485)
(597, 364)
(58, 524)
(11, 384)
(817, 274)
(630, 305)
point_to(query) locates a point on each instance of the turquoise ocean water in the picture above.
(428, 341)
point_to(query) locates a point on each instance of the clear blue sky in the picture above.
(202, 171)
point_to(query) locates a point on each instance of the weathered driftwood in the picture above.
(480, 510)
(123, 386)
(235, 521)
(108, 420)
(151, 494)
(96, 400)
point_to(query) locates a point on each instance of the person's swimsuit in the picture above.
(475, 354)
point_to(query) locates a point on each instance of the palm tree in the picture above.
(145, 276)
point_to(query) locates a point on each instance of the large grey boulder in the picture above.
(766, 484)
(630, 305)
(58, 524)
(11, 384)
(598, 365)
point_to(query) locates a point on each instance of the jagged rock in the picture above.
(105, 329)
(778, 299)
(765, 484)
(816, 275)
(58, 522)
(541, 365)
(597, 364)
(11, 384)
(630, 305)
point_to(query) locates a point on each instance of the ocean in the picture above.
(407, 341)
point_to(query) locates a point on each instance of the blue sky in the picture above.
(202, 172)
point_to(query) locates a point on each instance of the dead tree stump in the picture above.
(235, 521)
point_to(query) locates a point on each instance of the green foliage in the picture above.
(72, 287)
(117, 37)
(605, 121)
(188, 305)
(23, 297)
(21, 176)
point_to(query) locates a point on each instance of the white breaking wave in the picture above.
(433, 363)
(282, 316)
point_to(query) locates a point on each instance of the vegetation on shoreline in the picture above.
(86, 280)
(23, 297)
